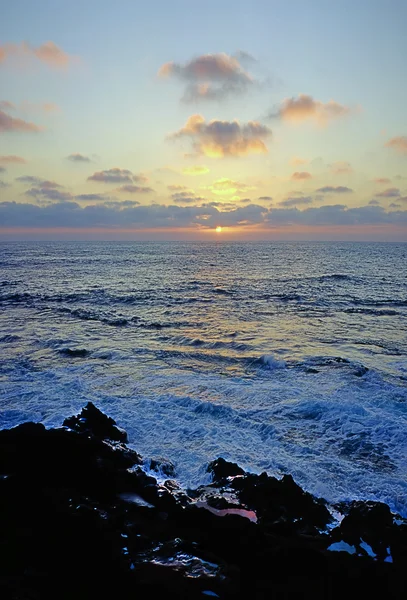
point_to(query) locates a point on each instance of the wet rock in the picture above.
(282, 502)
(162, 467)
(91, 421)
(80, 518)
(222, 469)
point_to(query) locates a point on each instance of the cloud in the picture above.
(339, 189)
(301, 175)
(196, 170)
(336, 215)
(296, 201)
(176, 188)
(209, 76)
(48, 193)
(265, 198)
(382, 180)
(135, 189)
(12, 159)
(6, 105)
(305, 108)
(394, 205)
(218, 139)
(90, 197)
(114, 175)
(2, 169)
(78, 158)
(126, 215)
(71, 214)
(186, 197)
(296, 161)
(47, 107)
(389, 193)
(121, 204)
(374, 203)
(48, 53)
(3, 184)
(140, 178)
(341, 168)
(33, 179)
(225, 186)
(223, 206)
(8, 123)
(245, 200)
(398, 143)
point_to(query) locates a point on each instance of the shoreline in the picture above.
(76, 505)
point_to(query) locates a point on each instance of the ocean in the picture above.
(282, 357)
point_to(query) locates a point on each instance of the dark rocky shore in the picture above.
(80, 519)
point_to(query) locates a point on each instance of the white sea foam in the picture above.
(198, 353)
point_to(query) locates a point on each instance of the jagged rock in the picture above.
(80, 518)
(221, 469)
(91, 421)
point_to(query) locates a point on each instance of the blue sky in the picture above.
(324, 83)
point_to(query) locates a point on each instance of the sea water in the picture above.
(282, 357)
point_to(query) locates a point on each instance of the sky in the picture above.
(260, 120)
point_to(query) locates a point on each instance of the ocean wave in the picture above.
(210, 345)
(372, 311)
(9, 339)
(74, 352)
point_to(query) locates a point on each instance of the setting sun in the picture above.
(218, 229)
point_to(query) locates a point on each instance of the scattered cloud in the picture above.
(244, 57)
(296, 161)
(3, 184)
(6, 105)
(135, 189)
(341, 168)
(265, 198)
(176, 187)
(374, 203)
(382, 180)
(331, 189)
(8, 123)
(398, 143)
(186, 197)
(34, 180)
(210, 76)
(218, 139)
(389, 193)
(394, 205)
(196, 170)
(48, 53)
(301, 175)
(12, 159)
(305, 108)
(114, 175)
(90, 197)
(78, 158)
(48, 193)
(47, 107)
(140, 178)
(225, 186)
(288, 202)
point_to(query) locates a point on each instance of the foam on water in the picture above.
(205, 351)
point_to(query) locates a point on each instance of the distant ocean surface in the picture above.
(282, 357)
